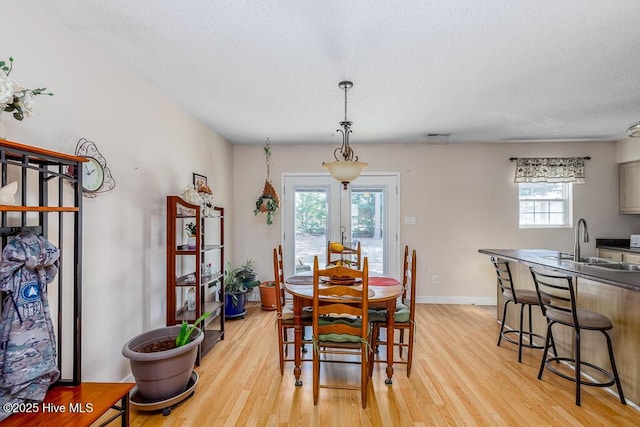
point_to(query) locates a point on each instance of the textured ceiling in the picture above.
(479, 70)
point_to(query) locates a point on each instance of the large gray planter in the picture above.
(164, 374)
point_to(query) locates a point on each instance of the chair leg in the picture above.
(285, 336)
(614, 369)
(371, 355)
(316, 376)
(546, 350)
(401, 341)
(281, 331)
(520, 334)
(577, 367)
(530, 327)
(364, 371)
(553, 343)
(410, 349)
(376, 336)
(504, 316)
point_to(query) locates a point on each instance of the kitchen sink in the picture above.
(618, 266)
(596, 260)
(583, 260)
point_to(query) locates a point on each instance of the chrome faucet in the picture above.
(585, 238)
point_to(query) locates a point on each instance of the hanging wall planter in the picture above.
(268, 202)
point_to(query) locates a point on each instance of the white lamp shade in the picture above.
(345, 171)
(634, 130)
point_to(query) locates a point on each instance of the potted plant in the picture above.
(162, 359)
(247, 274)
(191, 233)
(234, 292)
(268, 295)
(268, 204)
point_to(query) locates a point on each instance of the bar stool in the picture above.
(524, 298)
(558, 302)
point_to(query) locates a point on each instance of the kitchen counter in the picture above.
(546, 258)
(616, 245)
(614, 293)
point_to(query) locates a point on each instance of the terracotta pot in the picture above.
(163, 374)
(268, 296)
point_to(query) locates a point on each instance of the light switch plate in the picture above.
(410, 220)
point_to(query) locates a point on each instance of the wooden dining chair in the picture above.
(404, 318)
(284, 314)
(340, 254)
(341, 326)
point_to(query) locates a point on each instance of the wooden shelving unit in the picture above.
(49, 202)
(186, 269)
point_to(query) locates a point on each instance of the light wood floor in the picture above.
(459, 377)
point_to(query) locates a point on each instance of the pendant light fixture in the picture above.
(346, 168)
(634, 130)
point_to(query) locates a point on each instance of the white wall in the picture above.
(463, 198)
(152, 147)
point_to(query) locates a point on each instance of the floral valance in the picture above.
(550, 169)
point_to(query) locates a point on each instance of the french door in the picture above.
(316, 210)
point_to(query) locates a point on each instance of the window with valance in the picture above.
(544, 189)
(550, 169)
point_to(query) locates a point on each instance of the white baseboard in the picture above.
(457, 300)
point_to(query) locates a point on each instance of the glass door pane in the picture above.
(317, 210)
(367, 219)
(373, 221)
(311, 226)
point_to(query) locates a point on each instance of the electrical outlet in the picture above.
(434, 279)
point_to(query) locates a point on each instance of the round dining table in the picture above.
(383, 292)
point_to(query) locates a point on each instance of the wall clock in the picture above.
(96, 176)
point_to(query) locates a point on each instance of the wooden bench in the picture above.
(79, 406)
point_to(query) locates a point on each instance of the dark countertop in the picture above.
(616, 245)
(548, 259)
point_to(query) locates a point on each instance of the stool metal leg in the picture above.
(614, 369)
(520, 334)
(577, 367)
(546, 350)
(504, 317)
(530, 326)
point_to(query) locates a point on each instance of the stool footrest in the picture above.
(570, 360)
(524, 344)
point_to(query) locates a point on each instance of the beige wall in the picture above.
(628, 150)
(461, 195)
(463, 198)
(152, 147)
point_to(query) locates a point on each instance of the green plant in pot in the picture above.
(235, 292)
(268, 295)
(191, 230)
(247, 274)
(266, 204)
(162, 359)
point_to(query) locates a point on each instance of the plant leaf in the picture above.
(186, 331)
(181, 339)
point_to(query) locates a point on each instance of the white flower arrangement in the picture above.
(13, 97)
(202, 198)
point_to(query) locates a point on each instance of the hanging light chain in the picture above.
(345, 102)
(345, 151)
(267, 154)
